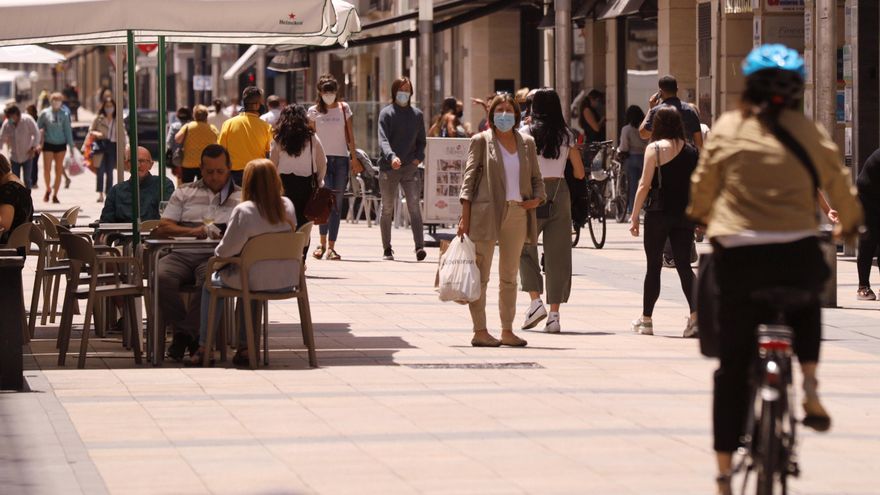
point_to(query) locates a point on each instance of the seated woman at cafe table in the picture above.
(263, 210)
(198, 209)
(16, 206)
(117, 205)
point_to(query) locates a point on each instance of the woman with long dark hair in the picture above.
(331, 120)
(555, 144)
(632, 150)
(298, 154)
(669, 162)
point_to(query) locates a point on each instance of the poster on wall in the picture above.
(445, 159)
(784, 5)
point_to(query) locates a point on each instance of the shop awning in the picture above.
(29, 54)
(244, 62)
(617, 8)
(587, 9)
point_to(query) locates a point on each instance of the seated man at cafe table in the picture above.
(198, 209)
(117, 206)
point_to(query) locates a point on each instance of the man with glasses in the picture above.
(117, 206)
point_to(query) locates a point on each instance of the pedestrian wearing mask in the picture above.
(104, 131)
(669, 163)
(54, 123)
(555, 144)
(330, 118)
(502, 187)
(402, 149)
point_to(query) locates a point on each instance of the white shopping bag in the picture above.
(459, 275)
(74, 163)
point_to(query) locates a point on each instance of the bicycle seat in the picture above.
(784, 298)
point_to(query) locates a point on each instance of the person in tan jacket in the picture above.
(502, 187)
(758, 198)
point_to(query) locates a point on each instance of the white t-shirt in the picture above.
(271, 117)
(311, 159)
(551, 168)
(511, 174)
(330, 127)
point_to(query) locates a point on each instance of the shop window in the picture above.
(641, 61)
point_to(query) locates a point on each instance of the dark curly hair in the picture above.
(292, 130)
(548, 124)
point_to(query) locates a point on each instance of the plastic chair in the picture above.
(266, 247)
(83, 256)
(369, 202)
(70, 216)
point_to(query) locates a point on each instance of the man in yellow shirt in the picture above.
(246, 136)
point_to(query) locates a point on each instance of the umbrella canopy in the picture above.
(180, 21)
(29, 54)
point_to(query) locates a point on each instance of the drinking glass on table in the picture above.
(208, 220)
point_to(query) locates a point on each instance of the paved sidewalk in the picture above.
(403, 404)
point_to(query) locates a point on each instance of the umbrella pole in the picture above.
(118, 89)
(132, 132)
(162, 106)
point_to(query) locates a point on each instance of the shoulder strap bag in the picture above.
(322, 201)
(654, 201)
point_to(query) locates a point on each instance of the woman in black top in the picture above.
(16, 206)
(669, 163)
(868, 184)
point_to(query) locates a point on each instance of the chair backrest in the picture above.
(36, 236)
(70, 216)
(50, 225)
(273, 247)
(20, 237)
(306, 229)
(78, 248)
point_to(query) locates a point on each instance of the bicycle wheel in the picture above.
(575, 234)
(622, 192)
(770, 446)
(620, 209)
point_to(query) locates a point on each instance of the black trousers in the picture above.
(869, 241)
(739, 272)
(298, 189)
(680, 233)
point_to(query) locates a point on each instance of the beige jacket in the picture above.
(485, 164)
(748, 180)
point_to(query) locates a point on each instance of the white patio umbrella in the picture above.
(29, 54)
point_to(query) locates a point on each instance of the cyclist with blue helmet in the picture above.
(756, 189)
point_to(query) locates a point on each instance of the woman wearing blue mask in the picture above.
(502, 187)
(402, 149)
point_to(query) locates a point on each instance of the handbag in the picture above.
(177, 153)
(545, 209)
(654, 201)
(322, 201)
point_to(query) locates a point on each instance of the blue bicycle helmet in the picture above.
(773, 56)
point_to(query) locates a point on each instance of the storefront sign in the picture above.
(756, 31)
(785, 29)
(445, 160)
(783, 6)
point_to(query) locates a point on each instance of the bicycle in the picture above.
(619, 189)
(595, 200)
(769, 442)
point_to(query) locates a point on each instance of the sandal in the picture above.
(196, 360)
(333, 255)
(319, 253)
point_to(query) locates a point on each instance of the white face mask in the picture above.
(109, 110)
(329, 98)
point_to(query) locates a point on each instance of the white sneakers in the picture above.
(643, 327)
(538, 312)
(534, 314)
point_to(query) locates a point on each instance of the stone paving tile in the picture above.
(604, 411)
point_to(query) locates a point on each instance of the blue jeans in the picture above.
(17, 167)
(107, 168)
(634, 165)
(336, 179)
(216, 281)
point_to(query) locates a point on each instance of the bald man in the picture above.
(117, 206)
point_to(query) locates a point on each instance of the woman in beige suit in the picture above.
(502, 187)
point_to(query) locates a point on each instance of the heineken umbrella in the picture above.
(108, 22)
(29, 54)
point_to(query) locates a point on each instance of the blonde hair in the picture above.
(262, 185)
(200, 112)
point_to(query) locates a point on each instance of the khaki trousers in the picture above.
(511, 238)
(557, 248)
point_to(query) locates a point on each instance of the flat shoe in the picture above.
(489, 341)
(319, 253)
(514, 341)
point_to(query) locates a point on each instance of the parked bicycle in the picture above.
(769, 443)
(618, 187)
(595, 200)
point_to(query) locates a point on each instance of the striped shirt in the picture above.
(192, 203)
